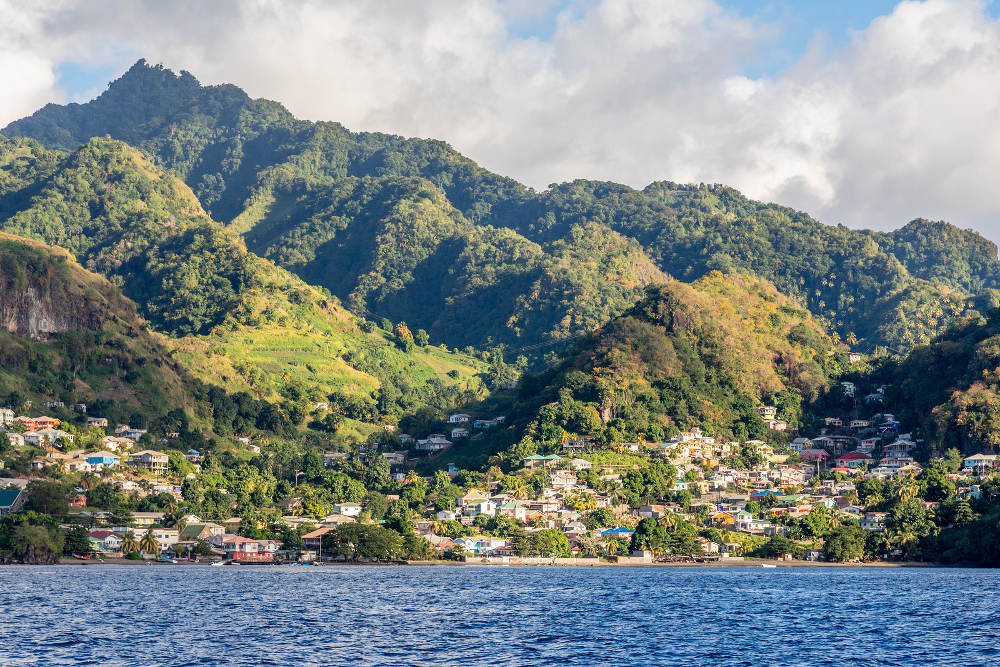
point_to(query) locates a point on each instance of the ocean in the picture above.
(490, 615)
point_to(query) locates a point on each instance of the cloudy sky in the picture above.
(862, 112)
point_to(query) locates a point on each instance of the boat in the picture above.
(768, 565)
(218, 563)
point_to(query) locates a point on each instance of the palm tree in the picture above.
(668, 521)
(149, 543)
(129, 543)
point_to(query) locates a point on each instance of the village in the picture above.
(735, 496)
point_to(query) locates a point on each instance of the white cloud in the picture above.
(899, 123)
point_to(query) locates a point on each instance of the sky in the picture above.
(866, 113)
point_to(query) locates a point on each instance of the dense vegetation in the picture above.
(950, 388)
(704, 354)
(234, 320)
(414, 231)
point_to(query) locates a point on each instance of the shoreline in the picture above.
(528, 563)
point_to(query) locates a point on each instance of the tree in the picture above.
(149, 543)
(47, 498)
(129, 542)
(845, 544)
(359, 541)
(202, 548)
(650, 536)
(77, 542)
(599, 518)
(421, 338)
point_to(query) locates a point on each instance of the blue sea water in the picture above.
(482, 615)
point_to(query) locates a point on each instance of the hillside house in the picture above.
(97, 422)
(7, 417)
(980, 463)
(460, 418)
(11, 500)
(766, 412)
(150, 460)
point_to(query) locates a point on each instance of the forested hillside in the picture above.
(951, 387)
(68, 335)
(410, 229)
(704, 354)
(233, 319)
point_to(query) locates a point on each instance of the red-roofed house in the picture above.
(852, 460)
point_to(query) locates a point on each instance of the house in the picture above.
(618, 531)
(395, 458)
(115, 444)
(820, 455)
(708, 546)
(479, 506)
(192, 456)
(513, 510)
(16, 439)
(11, 500)
(446, 515)
(562, 479)
(150, 460)
(102, 460)
(459, 432)
(105, 541)
(146, 519)
(852, 460)
(97, 422)
(854, 357)
(834, 422)
(460, 418)
(848, 388)
(329, 458)
(480, 545)
(868, 445)
(776, 424)
(7, 417)
(314, 541)
(435, 442)
(471, 495)
(193, 532)
(537, 461)
(126, 431)
(766, 412)
(36, 423)
(347, 509)
(580, 464)
(78, 465)
(860, 423)
(874, 521)
(246, 550)
(47, 436)
(980, 463)
(166, 537)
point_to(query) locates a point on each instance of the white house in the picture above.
(460, 418)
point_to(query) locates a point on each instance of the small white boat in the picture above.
(218, 563)
(768, 565)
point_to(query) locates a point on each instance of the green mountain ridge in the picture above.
(703, 354)
(68, 335)
(411, 229)
(235, 320)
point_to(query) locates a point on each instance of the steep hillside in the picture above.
(235, 320)
(950, 388)
(69, 335)
(410, 229)
(703, 354)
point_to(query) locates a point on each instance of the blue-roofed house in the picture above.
(101, 460)
(617, 532)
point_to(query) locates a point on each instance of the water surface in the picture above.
(472, 615)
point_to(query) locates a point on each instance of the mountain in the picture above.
(233, 319)
(701, 354)
(69, 335)
(950, 388)
(412, 230)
